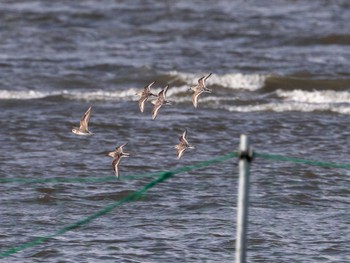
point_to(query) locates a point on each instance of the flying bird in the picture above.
(84, 124)
(159, 102)
(199, 89)
(183, 145)
(117, 154)
(145, 94)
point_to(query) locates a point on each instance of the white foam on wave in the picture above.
(22, 95)
(231, 80)
(316, 96)
(128, 94)
(290, 106)
(73, 94)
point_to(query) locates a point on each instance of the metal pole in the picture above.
(245, 155)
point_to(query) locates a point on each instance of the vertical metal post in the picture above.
(245, 155)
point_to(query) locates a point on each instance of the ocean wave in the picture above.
(128, 94)
(180, 84)
(22, 95)
(316, 96)
(250, 82)
(290, 106)
(73, 95)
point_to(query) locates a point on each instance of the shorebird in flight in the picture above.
(183, 145)
(160, 101)
(84, 122)
(145, 94)
(199, 89)
(117, 154)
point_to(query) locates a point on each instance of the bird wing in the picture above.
(179, 151)
(148, 87)
(207, 76)
(163, 92)
(84, 121)
(142, 102)
(202, 80)
(145, 93)
(183, 137)
(115, 165)
(155, 110)
(121, 147)
(195, 98)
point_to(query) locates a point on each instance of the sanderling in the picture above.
(183, 145)
(84, 122)
(199, 89)
(117, 154)
(160, 101)
(145, 94)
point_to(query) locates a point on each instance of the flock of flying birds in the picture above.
(160, 100)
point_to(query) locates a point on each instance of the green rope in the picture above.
(134, 196)
(105, 210)
(131, 197)
(113, 178)
(277, 157)
(183, 169)
(75, 180)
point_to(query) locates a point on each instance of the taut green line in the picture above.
(277, 157)
(131, 197)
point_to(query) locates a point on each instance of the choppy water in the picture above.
(280, 74)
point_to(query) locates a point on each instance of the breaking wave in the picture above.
(321, 96)
(291, 106)
(73, 95)
(250, 82)
(22, 95)
(232, 92)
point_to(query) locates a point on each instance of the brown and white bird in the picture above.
(84, 124)
(145, 94)
(199, 89)
(183, 145)
(159, 102)
(117, 154)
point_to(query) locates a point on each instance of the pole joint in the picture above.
(247, 154)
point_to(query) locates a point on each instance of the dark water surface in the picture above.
(280, 74)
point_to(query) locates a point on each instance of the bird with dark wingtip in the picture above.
(117, 154)
(199, 89)
(159, 102)
(145, 94)
(83, 129)
(183, 145)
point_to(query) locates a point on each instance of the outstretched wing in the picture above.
(195, 97)
(84, 121)
(202, 80)
(155, 110)
(180, 151)
(183, 137)
(207, 76)
(148, 87)
(146, 92)
(115, 165)
(162, 94)
(142, 102)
